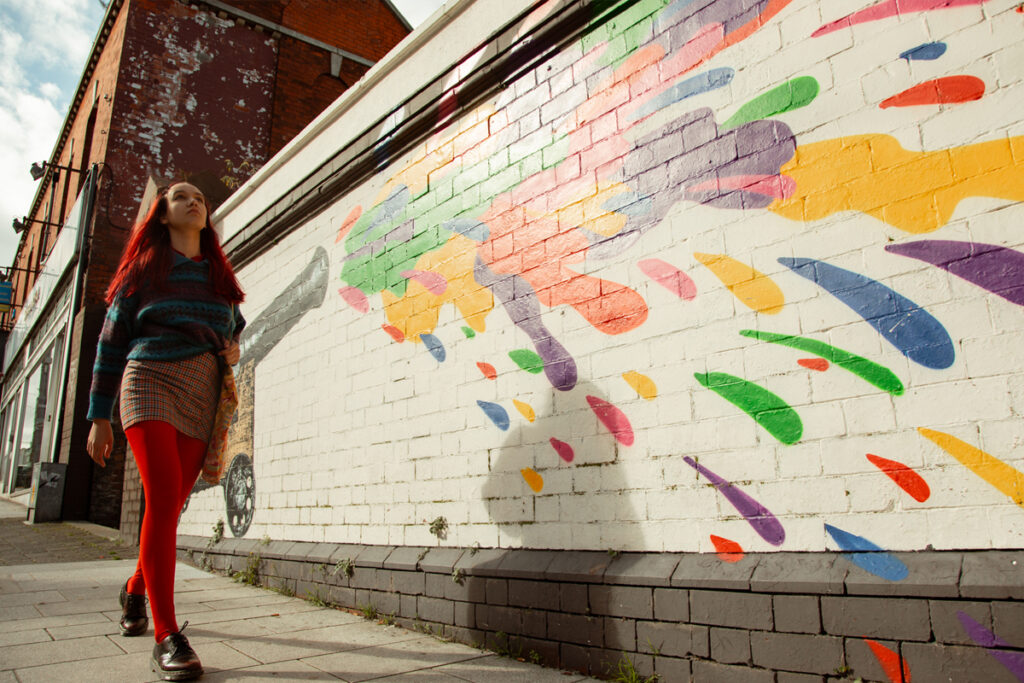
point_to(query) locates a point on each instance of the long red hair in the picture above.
(148, 255)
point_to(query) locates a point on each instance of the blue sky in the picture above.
(43, 48)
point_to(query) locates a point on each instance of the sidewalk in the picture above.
(58, 622)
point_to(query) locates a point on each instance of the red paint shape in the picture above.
(776, 186)
(355, 298)
(432, 282)
(1020, 9)
(906, 478)
(945, 90)
(819, 364)
(488, 370)
(669, 277)
(563, 449)
(349, 221)
(395, 333)
(727, 550)
(613, 418)
(891, 662)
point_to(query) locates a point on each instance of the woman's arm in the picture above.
(111, 356)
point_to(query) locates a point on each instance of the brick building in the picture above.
(208, 90)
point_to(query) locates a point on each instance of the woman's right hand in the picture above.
(101, 440)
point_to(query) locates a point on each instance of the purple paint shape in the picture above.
(997, 269)
(669, 277)
(432, 282)
(1013, 661)
(758, 516)
(613, 418)
(355, 298)
(563, 449)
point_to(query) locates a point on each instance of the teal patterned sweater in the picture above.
(185, 319)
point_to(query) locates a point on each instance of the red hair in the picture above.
(148, 255)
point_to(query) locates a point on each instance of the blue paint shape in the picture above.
(901, 322)
(867, 555)
(695, 85)
(498, 415)
(631, 204)
(435, 347)
(468, 227)
(925, 51)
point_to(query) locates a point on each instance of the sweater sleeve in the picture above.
(111, 356)
(239, 322)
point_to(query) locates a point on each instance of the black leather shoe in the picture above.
(134, 621)
(175, 660)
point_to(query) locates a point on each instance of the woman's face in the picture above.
(186, 208)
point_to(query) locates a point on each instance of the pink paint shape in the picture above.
(563, 449)
(395, 333)
(906, 478)
(355, 298)
(891, 8)
(945, 90)
(432, 282)
(816, 364)
(696, 50)
(613, 418)
(726, 549)
(488, 370)
(775, 186)
(669, 277)
(349, 221)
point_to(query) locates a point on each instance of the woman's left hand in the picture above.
(230, 352)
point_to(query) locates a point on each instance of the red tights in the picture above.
(169, 463)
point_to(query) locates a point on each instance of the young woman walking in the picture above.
(172, 320)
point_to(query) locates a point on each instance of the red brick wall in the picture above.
(367, 28)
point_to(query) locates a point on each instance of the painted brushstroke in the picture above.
(906, 478)
(726, 549)
(1012, 660)
(395, 333)
(768, 410)
(867, 555)
(945, 90)
(891, 8)
(925, 51)
(533, 480)
(612, 418)
(793, 94)
(989, 266)
(669, 277)
(869, 371)
(525, 409)
(488, 370)
(432, 282)
(1003, 477)
(896, 668)
(695, 85)
(497, 414)
(468, 331)
(753, 288)
(901, 322)
(355, 298)
(774, 186)
(816, 364)
(758, 516)
(643, 384)
(435, 347)
(349, 221)
(563, 449)
(527, 360)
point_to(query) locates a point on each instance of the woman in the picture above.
(173, 319)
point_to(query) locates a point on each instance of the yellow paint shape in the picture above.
(643, 384)
(913, 191)
(1003, 477)
(756, 290)
(534, 480)
(588, 212)
(526, 409)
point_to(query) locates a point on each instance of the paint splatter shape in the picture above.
(945, 90)
(563, 449)
(768, 410)
(727, 550)
(758, 516)
(488, 370)
(891, 8)
(349, 221)
(527, 360)
(753, 288)
(816, 364)
(435, 347)
(869, 371)
(695, 85)
(612, 418)
(906, 478)
(896, 668)
(432, 282)
(774, 186)
(468, 331)
(901, 322)
(525, 409)
(1004, 478)
(355, 298)
(643, 384)
(1013, 661)
(925, 51)
(395, 333)
(793, 94)
(533, 480)
(989, 266)
(867, 555)
(497, 414)
(669, 277)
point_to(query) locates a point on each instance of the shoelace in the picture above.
(179, 641)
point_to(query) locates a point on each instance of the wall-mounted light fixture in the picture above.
(20, 224)
(38, 169)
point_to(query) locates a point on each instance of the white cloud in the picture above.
(50, 91)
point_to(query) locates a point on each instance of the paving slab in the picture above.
(405, 656)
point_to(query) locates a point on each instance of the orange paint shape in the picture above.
(533, 480)
(643, 384)
(891, 662)
(906, 478)
(1003, 477)
(945, 90)
(349, 221)
(817, 364)
(395, 333)
(752, 287)
(525, 409)
(488, 370)
(727, 550)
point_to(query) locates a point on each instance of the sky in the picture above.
(44, 45)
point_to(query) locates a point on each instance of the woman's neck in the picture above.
(186, 243)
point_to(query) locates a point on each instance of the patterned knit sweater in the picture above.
(186, 319)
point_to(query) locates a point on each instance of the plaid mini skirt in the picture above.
(183, 393)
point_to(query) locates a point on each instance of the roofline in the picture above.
(398, 13)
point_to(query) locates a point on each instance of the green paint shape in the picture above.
(468, 331)
(791, 95)
(768, 410)
(527, 360)
(869, 371)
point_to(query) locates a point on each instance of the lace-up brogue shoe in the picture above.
(134, 621)
(175, 660)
